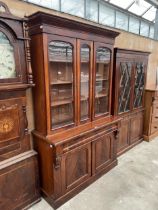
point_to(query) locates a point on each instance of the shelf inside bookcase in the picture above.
(102, 79)
(60, 82)
(61, 102)
(101, 95)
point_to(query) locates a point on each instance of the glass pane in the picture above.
(125, 87)
(150, 14)
(92, 10)
(144, 29)
(75, 7)
(139, 8)
(134, 25)
(121, 21)
(7, 61)
(85, 67)
(61, 83)
(139, 84)
(151, 35)
(102, 80)
(53, 4)
(106, 15)
(121, 3)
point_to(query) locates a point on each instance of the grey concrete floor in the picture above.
(132, 185)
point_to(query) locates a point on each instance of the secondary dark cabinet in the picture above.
(75, 133)
(128, 95)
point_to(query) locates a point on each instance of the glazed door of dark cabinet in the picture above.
(13, 126)
(102, 152)
(76, 166)
(124, 86)
(102, 79)
(123, 140)
(136, 127)
(139, 84)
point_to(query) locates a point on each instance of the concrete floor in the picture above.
(132, 185)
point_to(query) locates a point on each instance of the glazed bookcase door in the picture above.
(102, 76)
(9, 58)
(124, 97)
(139, 84)
(62, 77)
(85, 74)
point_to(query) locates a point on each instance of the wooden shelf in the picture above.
(65, 119)
(97, 80)
(84, 99)
(86, 81)
(60, 82)
(85, 62)
(103, 62)
(61, 102)
(61, 61)
(100, 95)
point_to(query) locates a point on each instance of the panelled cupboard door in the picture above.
(102, 151)
(123, 140)
(76, 166)
(85, 75)
(136, 127)
(102, 79)
(62, 74)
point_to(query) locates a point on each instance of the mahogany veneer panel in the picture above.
(19, 184)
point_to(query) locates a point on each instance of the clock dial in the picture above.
(7, 61)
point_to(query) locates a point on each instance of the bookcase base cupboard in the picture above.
(75, 133)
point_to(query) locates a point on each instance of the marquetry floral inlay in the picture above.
(6, 125)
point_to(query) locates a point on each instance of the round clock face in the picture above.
(7, 61)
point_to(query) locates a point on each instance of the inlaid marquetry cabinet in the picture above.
(75, 133)
(151, 114)
(128, 95)
(18, 163)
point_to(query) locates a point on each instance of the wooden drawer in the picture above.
(155, 109)
(154, 118)
(154, 127)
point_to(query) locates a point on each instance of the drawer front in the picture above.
(154, 118)
(156, 94)
(155, 109)
(154, 127)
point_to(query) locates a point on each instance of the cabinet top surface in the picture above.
(63, 137)
(124, 50)
(41, 18)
